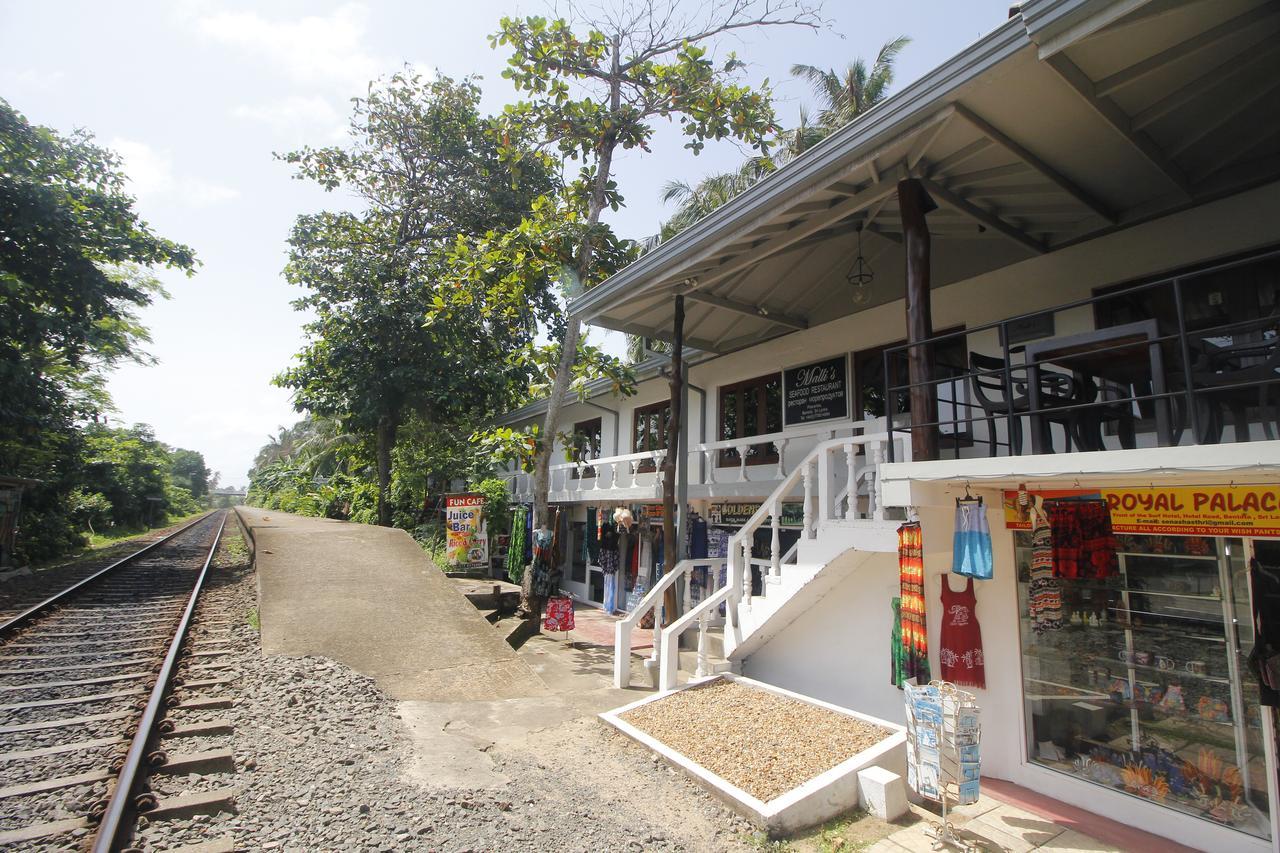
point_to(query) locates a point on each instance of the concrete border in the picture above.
(817, 800)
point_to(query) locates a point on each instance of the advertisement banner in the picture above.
(738, 514)
(1173, 510)
(466, 537)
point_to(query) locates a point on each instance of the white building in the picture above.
(1105, 280)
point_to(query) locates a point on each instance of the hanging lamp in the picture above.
(860, 274)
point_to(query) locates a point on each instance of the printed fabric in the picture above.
(897, 653)
(961, 646)
(971, 554)
(1045, 592)
(559, 616)
(1083, 544)
(915, 637)
(516, 547)
(545, 576)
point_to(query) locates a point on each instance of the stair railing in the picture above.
(652, 601)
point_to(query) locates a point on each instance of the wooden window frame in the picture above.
(643, 412)
(595, 427)
(728, 457)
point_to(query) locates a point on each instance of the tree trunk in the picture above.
(670, 549)
(530, 604)
(386, 437)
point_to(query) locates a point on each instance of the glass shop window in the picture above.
(578, 562)
(1144, 687)
(753, 407)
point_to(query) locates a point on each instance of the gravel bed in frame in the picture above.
(763, 743)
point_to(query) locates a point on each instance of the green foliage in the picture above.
(842, 98)
(74, 272)
(497, 508)
(187, 470)
(430, 174)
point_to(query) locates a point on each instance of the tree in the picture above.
(846, 96)
(594, 86)
(187, 469)
(425, 167)
(842, 98)
(72, 257)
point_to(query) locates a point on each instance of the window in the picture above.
(586, 445)
(649, 429)
(753, 407)
(952, 360)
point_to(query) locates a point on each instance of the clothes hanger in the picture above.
(969, 497)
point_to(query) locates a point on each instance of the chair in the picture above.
(1232, 378)
(1112, 405)
(1056, 389)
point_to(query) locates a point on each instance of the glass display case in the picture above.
(1144, 687)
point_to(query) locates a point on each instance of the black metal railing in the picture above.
(1141, 375)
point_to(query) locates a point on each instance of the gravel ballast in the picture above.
(763, 743)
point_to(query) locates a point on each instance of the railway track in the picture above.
(88, 678)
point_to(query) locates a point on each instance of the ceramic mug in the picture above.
(1143, 658)
(1165, 662)
(1196, 667)
(1125, 656)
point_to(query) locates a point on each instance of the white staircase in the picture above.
(844, 523)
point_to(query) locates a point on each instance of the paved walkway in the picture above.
(369, 598)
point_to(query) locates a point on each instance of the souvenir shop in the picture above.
(1148, 638)
(610, 554)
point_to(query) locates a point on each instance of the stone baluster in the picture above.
(702, 669)
(775, 544)
(746, 568)
(851, 459)
(781, 446)
(873, 493)
(807, 525)
(742, 461)
(712, 459)
(635, 470)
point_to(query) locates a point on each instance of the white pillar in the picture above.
(775, 544)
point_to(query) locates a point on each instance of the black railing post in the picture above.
(1193, 419)
(888, 406)
(1008, 390)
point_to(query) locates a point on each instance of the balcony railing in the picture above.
(1161, 379)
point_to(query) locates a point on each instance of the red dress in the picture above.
(961, 652)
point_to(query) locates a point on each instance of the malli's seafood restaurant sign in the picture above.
(816, 392)
(466, 539)
(1173, 510)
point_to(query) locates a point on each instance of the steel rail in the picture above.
(9, 625)
(110, 825)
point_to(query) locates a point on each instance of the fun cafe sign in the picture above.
(466, 538)
(1174, 510)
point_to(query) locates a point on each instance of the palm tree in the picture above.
(847, 96)
(843, 98)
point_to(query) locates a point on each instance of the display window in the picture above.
(1139, 680)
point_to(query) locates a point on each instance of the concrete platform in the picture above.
(369, 598)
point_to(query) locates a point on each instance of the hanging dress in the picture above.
(971, 549)
(609, 566)
(515, 548)
(1083, 544)
(915, 637)
(961, 646)
(897, 654)
(1044, 594)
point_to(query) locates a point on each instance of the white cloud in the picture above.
(325, 49)
(295, 111)
(150, 173)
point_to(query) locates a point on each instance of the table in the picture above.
(1114, 353)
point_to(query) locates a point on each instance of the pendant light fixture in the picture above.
(860, 274)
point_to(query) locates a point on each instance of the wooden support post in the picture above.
(670, 547)
(915, 204)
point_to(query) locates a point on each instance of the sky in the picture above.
(196, 96)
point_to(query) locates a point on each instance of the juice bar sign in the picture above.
(816, 392)
(1175, 510)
